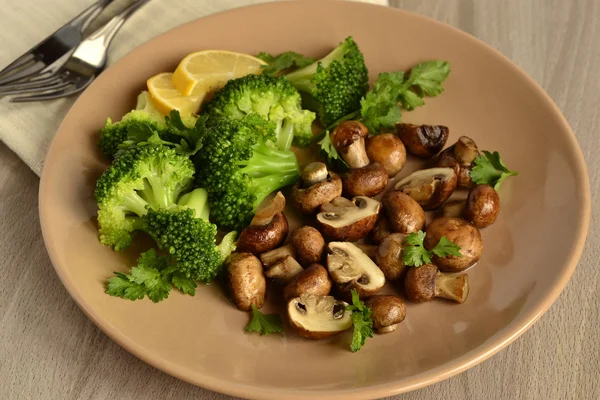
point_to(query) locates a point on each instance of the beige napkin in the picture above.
(29, 128)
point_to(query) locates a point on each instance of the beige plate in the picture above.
(530, 252)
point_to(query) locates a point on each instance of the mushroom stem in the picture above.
(452, 287)
(348, 138)
(465, 150)
(314, 173)
(355, 155)
(284, 270)
(387, 329)
(272, 257)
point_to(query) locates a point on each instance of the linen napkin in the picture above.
(28, 128)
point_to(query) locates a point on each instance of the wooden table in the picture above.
(50, 350)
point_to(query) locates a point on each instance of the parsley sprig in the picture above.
(152, 276)
(361, 320)
(264, 323)
(284, 61)
(489, 169)
(416, 254)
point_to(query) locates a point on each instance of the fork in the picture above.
(85, 63)
(53, 47)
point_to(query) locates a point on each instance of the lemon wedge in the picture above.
(208, 70)
(165, 97)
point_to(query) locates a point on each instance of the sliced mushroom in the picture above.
(272, 257)
(313, 280)
(459, 231)
(246, 281)
(483, 206)
(423, 140)
(389, 256)
(350, 268)
(404, 214)
(284, 270)
(454, 208)
(387, 312)
(426, 282)
(268, 228)
(348, 220)
(317, 317)
(348, 138)
(387, 150)
(382, 229)
(309, 245)
(367, 181)
(429, 187)
(316, 187)
(460, 157)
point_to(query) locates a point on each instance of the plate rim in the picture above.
(429, 377)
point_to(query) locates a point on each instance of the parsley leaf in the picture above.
(191, 138)
(489, 169)
(381, 107)
(329, 152)
(362, 322)
(283, 61)
(152, 276)
(415, 254)
(264, 323)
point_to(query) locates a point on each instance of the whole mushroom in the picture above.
(388, 151)
(426, 282)
(423, 140)
(459, 231)
(348, 220)
(483, 206)
(369, 181)
(404, 214)
(429, 187)
(387, 312)
(309, 245)
(316, 187)
(313, 280)
(460, 157)
(317, 317)
(389, 256)
(350, 268)
(247, 283)
(268, 228)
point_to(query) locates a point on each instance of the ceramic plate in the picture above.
(530, 252)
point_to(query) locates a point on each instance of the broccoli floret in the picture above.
(184, 231)
(270, 97)
(239, 169)
(144, 177)
(334, 85)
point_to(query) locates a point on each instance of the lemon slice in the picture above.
(166, 98)
(208, 70)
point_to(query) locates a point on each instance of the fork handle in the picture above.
(108, 31)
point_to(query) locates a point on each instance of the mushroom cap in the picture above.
(382, 229)
(387, 312)
(460, 232)
(404, 214)
(348, 220)
(423, 140)
(429, 187)
(483, 206)
(246, 281)
(313, 280)
(308, 200)
(317, 317)
(309, 245)
(350, 268)
(387, 150)
(369, 181)
(389, 256)
(258, 239)
(419, 283)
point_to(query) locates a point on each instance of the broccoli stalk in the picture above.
(333, 85)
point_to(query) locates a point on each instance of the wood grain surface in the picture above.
(50, 350)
